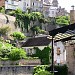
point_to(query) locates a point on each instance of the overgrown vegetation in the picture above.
(18, 36)
(41, 70)
(4, 30)
(2, 9)
(10, 52)
(61, 69)
(23, 20)
(45, 70)
(44, 55)
(63, 20)
(16, 54)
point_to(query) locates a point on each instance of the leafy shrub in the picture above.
(5, 48)
(18, 35)
(44, 55)
(40, 70)
(2, 9)
(43, 73)
(7, 51)
(16, 54)
(61, 69)
(12, 13)
(4, 59)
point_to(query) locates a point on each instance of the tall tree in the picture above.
(63, 20)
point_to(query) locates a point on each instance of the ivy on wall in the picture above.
(44, 55)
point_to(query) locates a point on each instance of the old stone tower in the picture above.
(55, 3)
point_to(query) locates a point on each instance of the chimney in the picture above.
(72, 15)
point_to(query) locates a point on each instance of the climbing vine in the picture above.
(44, 55)
(23, 20)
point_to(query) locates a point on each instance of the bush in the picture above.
(12, 13)
(16, 54)
(43, 73)
(43, 55)
(40, 70)
(2, 9)
(18, 35)
(5, 48)
(7, 51)
(62, 70)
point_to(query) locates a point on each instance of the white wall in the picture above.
(62, 57)
(23, 4)
(52, 11)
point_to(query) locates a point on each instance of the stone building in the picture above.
(43, 41)
(70, 57)
(52, 9)
(34, 5)
(55, 3)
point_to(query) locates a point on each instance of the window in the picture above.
(58, 51)
(52, 12)
(27, 4)
(33, 4)
(24, 3)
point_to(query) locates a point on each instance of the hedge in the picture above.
(61, 69)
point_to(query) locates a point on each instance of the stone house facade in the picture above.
(43, 41)
(70, 57)
(34, 5)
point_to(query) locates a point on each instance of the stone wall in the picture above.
(70, 58)
(16, 70)
(21, 62)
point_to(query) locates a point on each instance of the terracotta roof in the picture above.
(37, 41)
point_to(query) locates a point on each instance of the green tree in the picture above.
(41, 70)
(18, 36)
(15, 12)
(5, 48)
(11, 52)
(23, 21)
(37, 30)
(16, 54)
(36, 16)
(63, 20)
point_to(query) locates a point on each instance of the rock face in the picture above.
(6, 20)
(70, 57)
